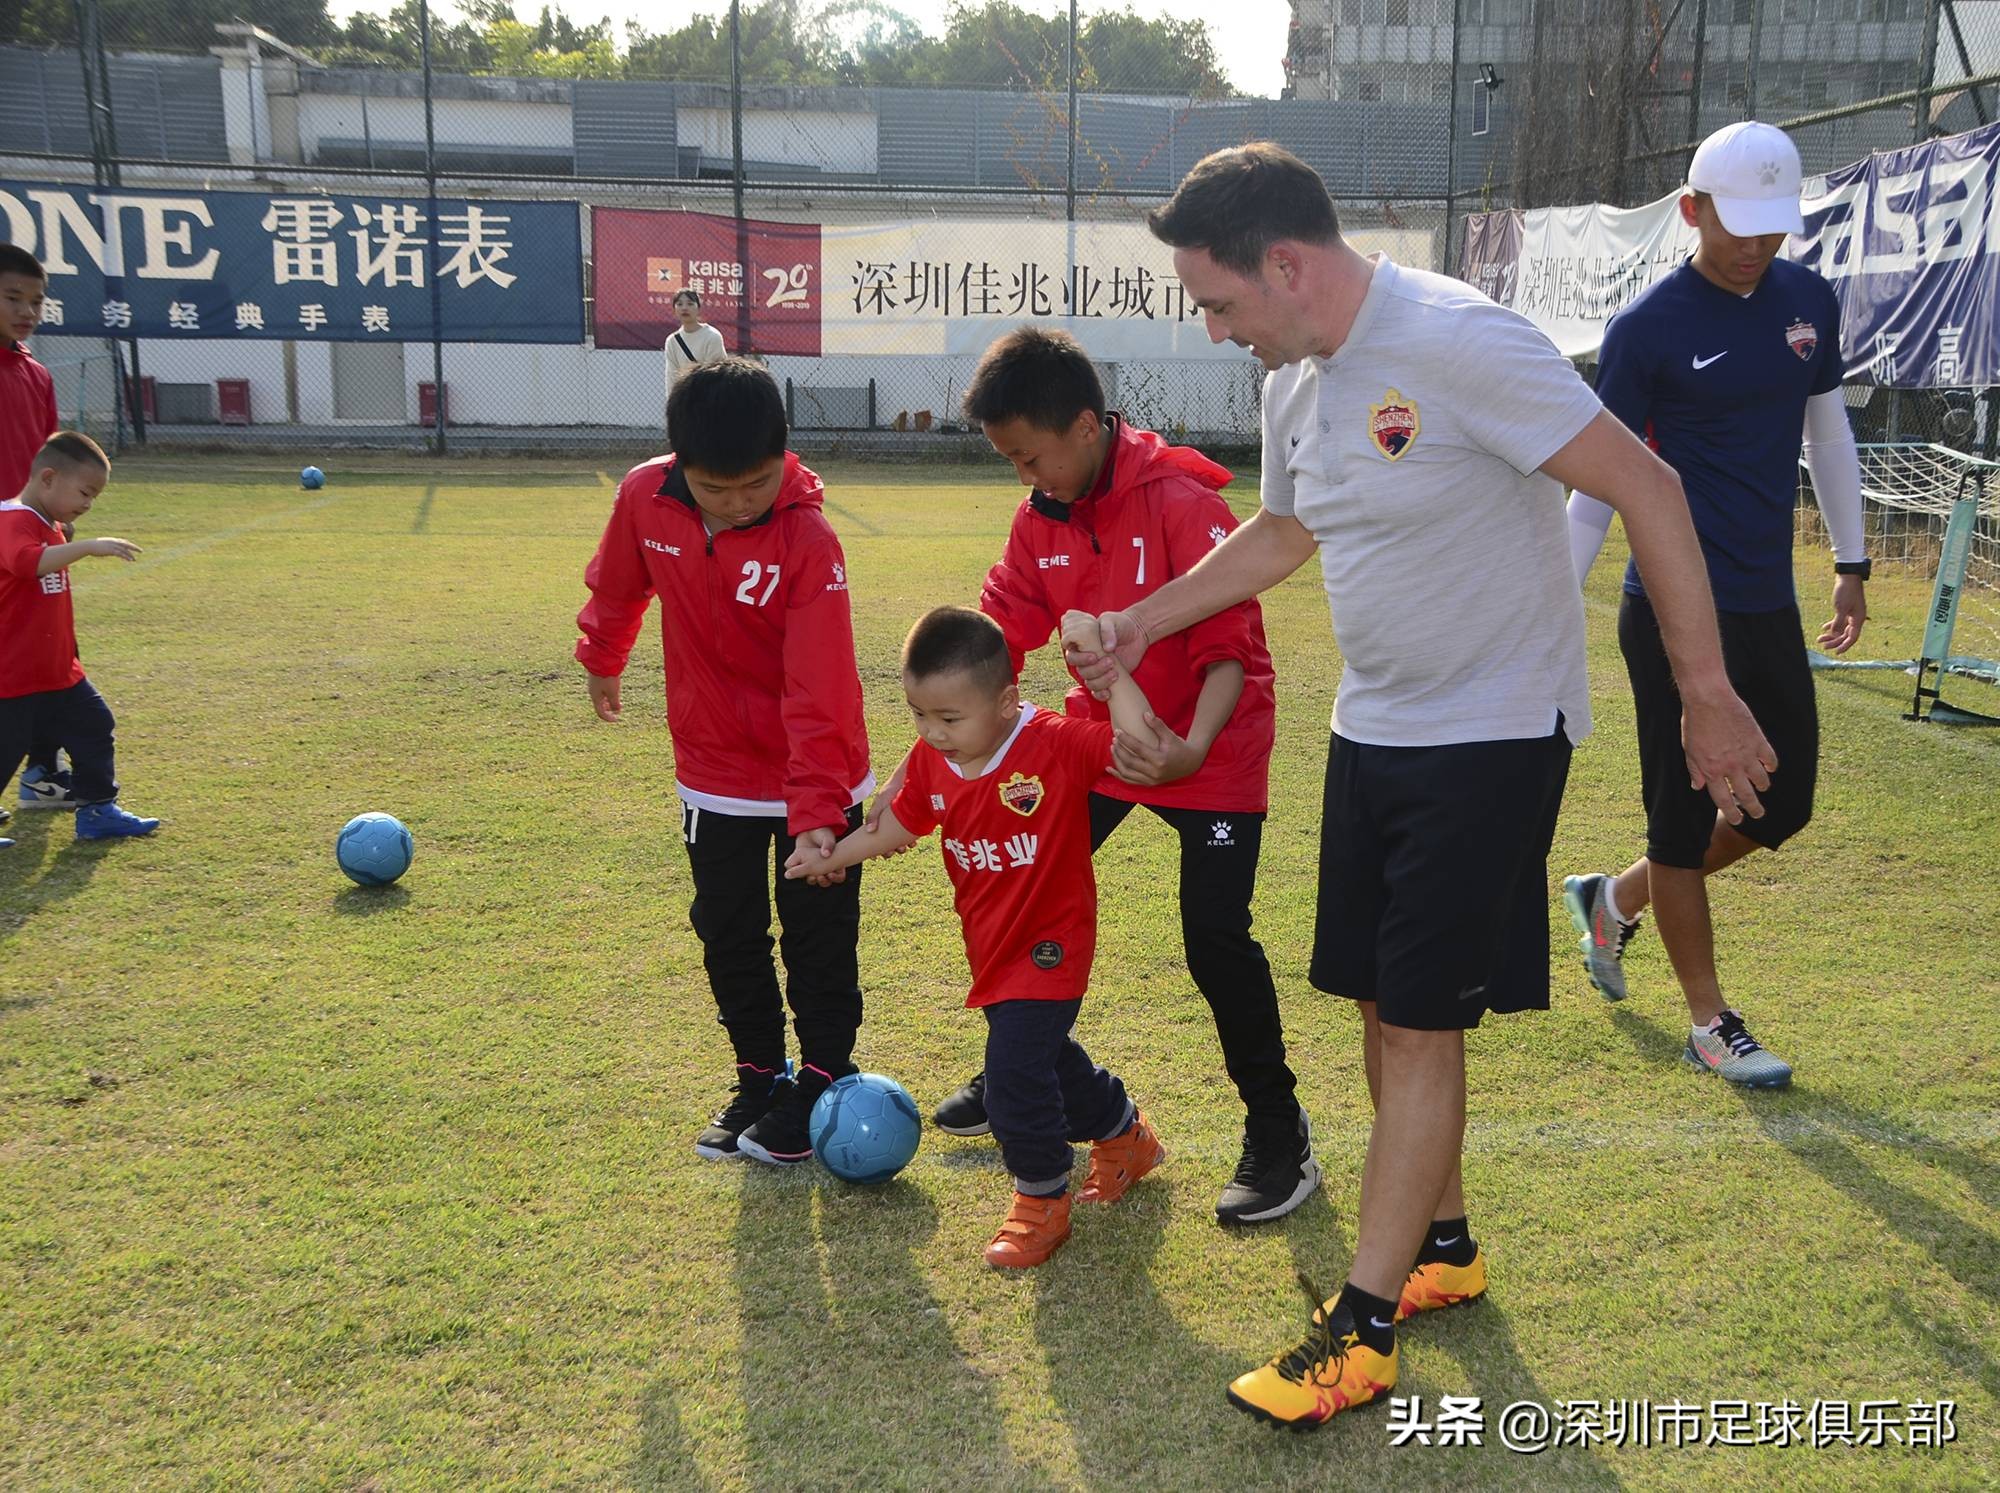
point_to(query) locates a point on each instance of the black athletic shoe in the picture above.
(964, 1113)
(756, 1090)
(781, 1136)
(1276, 1174)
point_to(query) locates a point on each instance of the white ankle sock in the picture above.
(1611, 900)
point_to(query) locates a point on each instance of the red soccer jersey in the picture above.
(37, 624)
(1017, 849)
(27, 417)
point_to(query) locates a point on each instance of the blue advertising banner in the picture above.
(131, 262)
(1906, 240)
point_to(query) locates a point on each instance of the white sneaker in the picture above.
(41, 789)
(1731, 1051)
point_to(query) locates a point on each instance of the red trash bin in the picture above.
(427, 404)
(232, 400)
(143, 400)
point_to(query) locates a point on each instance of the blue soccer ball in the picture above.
(864, 1128)
(374, 849)
(312, 479)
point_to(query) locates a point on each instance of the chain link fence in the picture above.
(1577, 101)
(1005, 213)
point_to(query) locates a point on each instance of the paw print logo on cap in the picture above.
(1767, 173)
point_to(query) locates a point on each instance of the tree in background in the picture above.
(997, 44)
(166, 25)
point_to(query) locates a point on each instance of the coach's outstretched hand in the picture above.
(1727, 753)
(1124, 645)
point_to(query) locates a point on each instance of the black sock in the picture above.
(1374, 1318)
(1447, 1241)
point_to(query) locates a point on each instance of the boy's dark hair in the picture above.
(726, 417)
(685, 294)
(15, 260)
(1238, 202)
(1037, 374)
(951, 640)
(70, 451)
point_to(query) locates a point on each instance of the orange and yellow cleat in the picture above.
(1440, 1285)
(1330, 1371)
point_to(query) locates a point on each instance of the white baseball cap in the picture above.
(1751, 170)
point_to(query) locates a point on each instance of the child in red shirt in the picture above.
(764, 704)
(1010, 787)
(27, 419)
(42, 687)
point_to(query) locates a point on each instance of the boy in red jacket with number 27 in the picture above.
(764, 705)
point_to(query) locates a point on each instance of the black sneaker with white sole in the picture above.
(756, 1090)
(783, 1137)
(1276, 1174)
(964, 1113)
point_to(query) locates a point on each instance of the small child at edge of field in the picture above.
(1017, 850)
(28, 417)
(764, 707)
(43, 691)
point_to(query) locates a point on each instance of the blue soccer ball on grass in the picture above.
(312, 479)
(864, 1128)
(374, 849)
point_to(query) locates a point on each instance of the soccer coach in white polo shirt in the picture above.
(1418, 438)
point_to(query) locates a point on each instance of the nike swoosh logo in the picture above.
(1295, 442)
(1441, 1243)
(1378, 1322)
(1704, 362)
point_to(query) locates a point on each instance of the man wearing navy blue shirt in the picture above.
(1721, 367)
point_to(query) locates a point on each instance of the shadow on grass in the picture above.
(368, 901)
(30, 881)
(1828, 1135)
(850, 1374)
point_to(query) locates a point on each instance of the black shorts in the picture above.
(1765, 654)
(1433, 877)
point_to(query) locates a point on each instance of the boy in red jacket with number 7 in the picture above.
(1113, 513)
(764, 705)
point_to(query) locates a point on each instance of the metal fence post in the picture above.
(430, 239)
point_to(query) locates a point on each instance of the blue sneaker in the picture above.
(42, 789)
(106, 821)
(5, 843)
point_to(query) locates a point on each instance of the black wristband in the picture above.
(1863, 568)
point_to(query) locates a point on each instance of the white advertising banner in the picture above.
(951, 286)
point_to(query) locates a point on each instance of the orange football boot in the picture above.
(1034, 1229)
(1117, 1163)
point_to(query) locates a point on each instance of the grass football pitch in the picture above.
(306, 1186)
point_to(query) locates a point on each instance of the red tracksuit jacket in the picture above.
(1156, 510)
(763, 696)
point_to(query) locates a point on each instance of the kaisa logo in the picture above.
(665, 279)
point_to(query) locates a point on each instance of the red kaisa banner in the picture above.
(763, 293)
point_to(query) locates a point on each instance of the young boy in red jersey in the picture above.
(27, 419)
(43, 692)
(1113, 513)
(1010, 787)
(764, 705)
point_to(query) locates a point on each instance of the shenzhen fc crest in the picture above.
(1803, 337)
(1393, 424)
(1022, 794)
